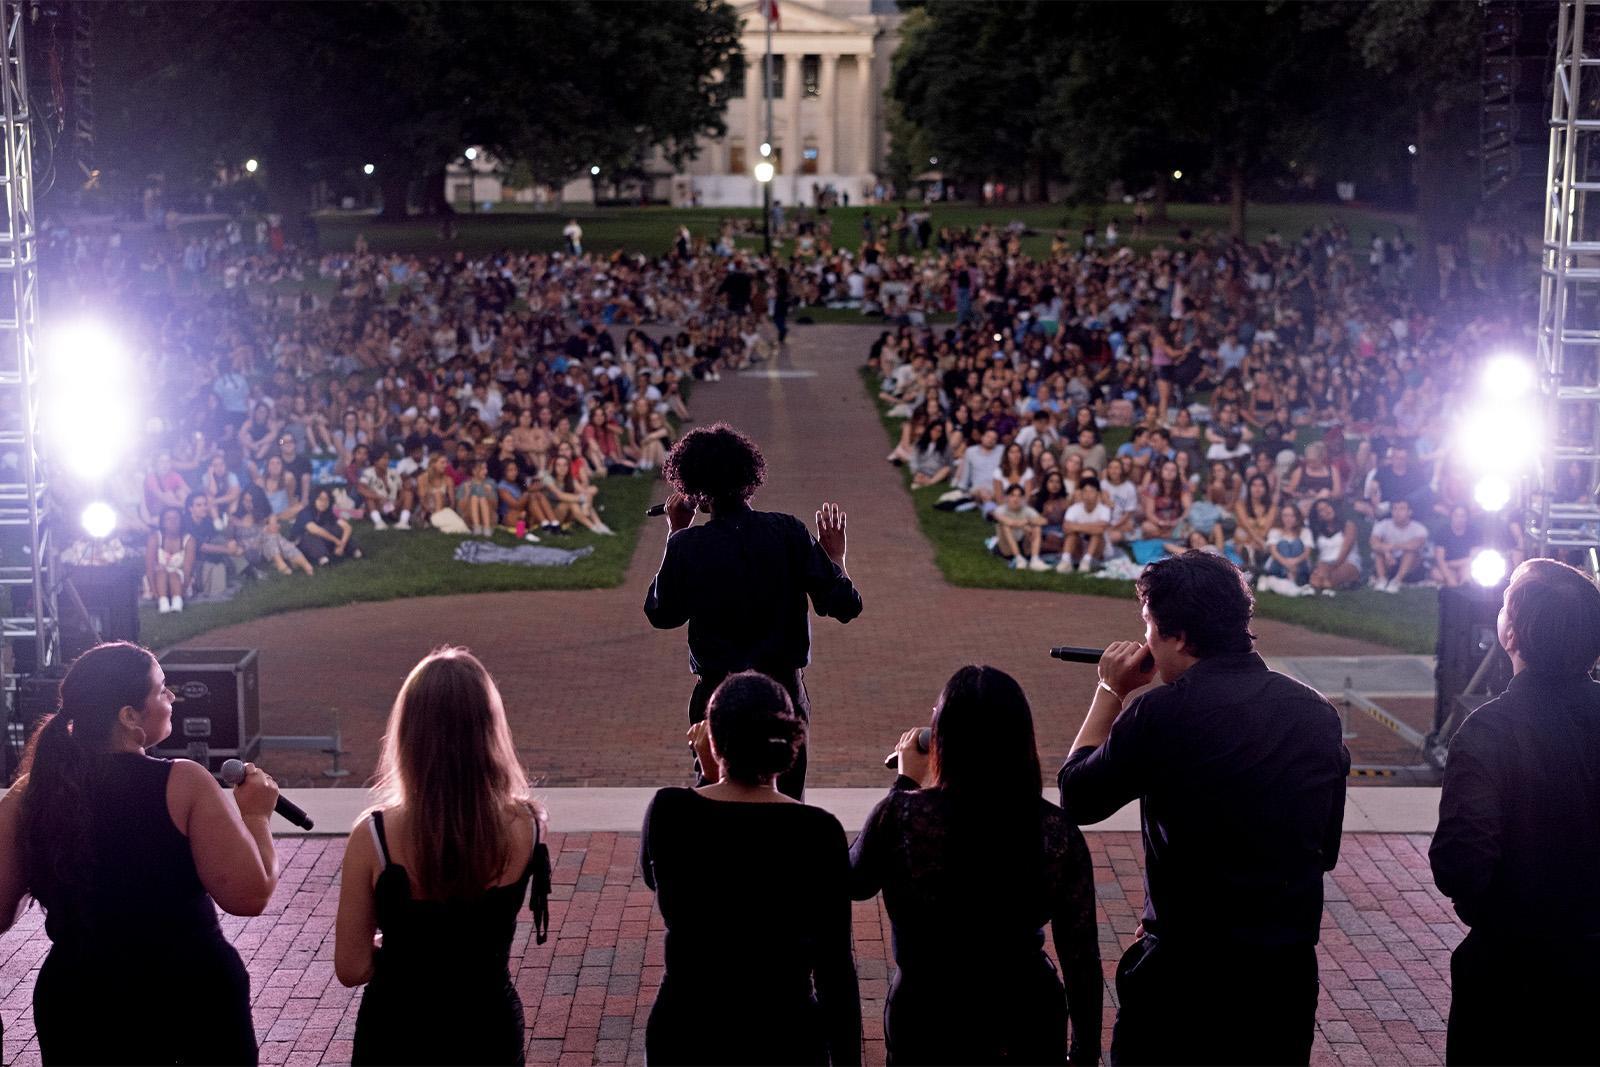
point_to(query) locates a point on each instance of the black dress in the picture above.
(759, 961)
(972, 983)
(146, 927)
(441, 987)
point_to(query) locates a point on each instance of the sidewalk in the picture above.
(1386, 940)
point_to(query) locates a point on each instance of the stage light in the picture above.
(1488, 568)
(1411, 149)
(764, 172)
(471, 154)
(86, 409)
(594, 171)
(99, 520)
(251, 165)
(1507, 377)
(1503, 440)
(1177, 175)
(1492, 492)
(368, 168)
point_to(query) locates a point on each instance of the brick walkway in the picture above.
(596, 697)
(1385, 956)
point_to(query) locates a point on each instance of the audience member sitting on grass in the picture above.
(1166, 499)
(440, 868)
(1017, 527)
(260, 537)
(571, 498)
(1089, 536)
(1287, 569)
(384, 491)
(219, 558)
(1454, 545)
(1254, 514)
(477, 500)
(1338, 564)
(930, 456)
(323, 536)
(1399, 546)
(736, 866)
(972, 864)
(169, 561)
(521, 504)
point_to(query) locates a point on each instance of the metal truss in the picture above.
(83, 88)
(1563, 516)
(28, 622)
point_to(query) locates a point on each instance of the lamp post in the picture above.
(764, 176)
(472, 177)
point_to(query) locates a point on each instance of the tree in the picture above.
(407, 86)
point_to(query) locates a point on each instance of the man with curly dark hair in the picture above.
(741, 579)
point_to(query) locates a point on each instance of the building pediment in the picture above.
(795, 17)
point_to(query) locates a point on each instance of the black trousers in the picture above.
(1214, 1004)
(1514, 1002)
(792, 782)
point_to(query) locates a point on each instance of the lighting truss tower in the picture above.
(28, 626)
(1564, 510)
(83, 88)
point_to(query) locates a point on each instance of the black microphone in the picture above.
(1079, 654)
(655, 511)
(924, 742)
(233, 773)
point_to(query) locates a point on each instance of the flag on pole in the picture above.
(769, 10)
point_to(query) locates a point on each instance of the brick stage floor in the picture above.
(1386, 940)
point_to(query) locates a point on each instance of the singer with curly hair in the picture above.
(741, 579)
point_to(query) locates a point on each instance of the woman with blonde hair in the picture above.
(440, 865)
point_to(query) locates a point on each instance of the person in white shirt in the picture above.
(1397, 548)
(1122, 496)
(1085, 528)
(979, 464)
(1020, 526)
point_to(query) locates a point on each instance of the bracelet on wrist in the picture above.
(1114, 694)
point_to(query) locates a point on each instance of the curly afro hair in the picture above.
(715, 464)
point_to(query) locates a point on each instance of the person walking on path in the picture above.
(741, 580)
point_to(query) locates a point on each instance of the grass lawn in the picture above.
(651, 229)
(1407, 621)
(419, 563)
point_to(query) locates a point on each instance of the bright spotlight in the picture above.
(99, 520)
(1499, 440)
(1507, 377)
(85, 407)
(368, 168)
(764, 172)
(1492, 492)
(1177, 175)
(251, 165)
(594, 171)
(1411, 149)
(471, 154)
(1488, 568)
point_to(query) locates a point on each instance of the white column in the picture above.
(793, 143)
(828, 123)
(754, 110)
(864, 109)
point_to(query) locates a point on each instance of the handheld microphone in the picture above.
(1079, 654)
(655, 511)
(233, 773)
(924, 742)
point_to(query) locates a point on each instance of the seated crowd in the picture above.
(1280, 403)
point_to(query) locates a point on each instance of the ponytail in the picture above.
(57, 826)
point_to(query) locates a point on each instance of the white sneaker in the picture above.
(531, 538)
(177, 603)
(378, 523)
(1015, 563)
(1393, 586)
(1329, 592)
(1037, 564)
(165, 606)
(405, 521)
(1065, 566)
(1086, 565)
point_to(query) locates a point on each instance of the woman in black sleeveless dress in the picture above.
(441, 867)
(126, 854)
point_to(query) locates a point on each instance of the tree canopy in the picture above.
(316, 90)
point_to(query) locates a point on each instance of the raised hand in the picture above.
(830, 531)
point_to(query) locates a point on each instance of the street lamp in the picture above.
(250, 165)
(764, 173)
(367, 169)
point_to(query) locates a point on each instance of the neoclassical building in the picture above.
(830, 69)
(831, 63)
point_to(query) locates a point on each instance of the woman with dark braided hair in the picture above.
(130, 856)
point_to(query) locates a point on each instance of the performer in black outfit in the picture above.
(1240, 776)
(741, 580)
(1518, 844)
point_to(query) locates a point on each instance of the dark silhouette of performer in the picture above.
(741, 579)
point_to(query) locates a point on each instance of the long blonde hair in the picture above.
(448, 759)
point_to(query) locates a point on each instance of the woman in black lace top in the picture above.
(972, 863)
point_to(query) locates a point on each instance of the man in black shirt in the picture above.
(1518, 844)
(1240, 776)
(737, 287)
(741, 580)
